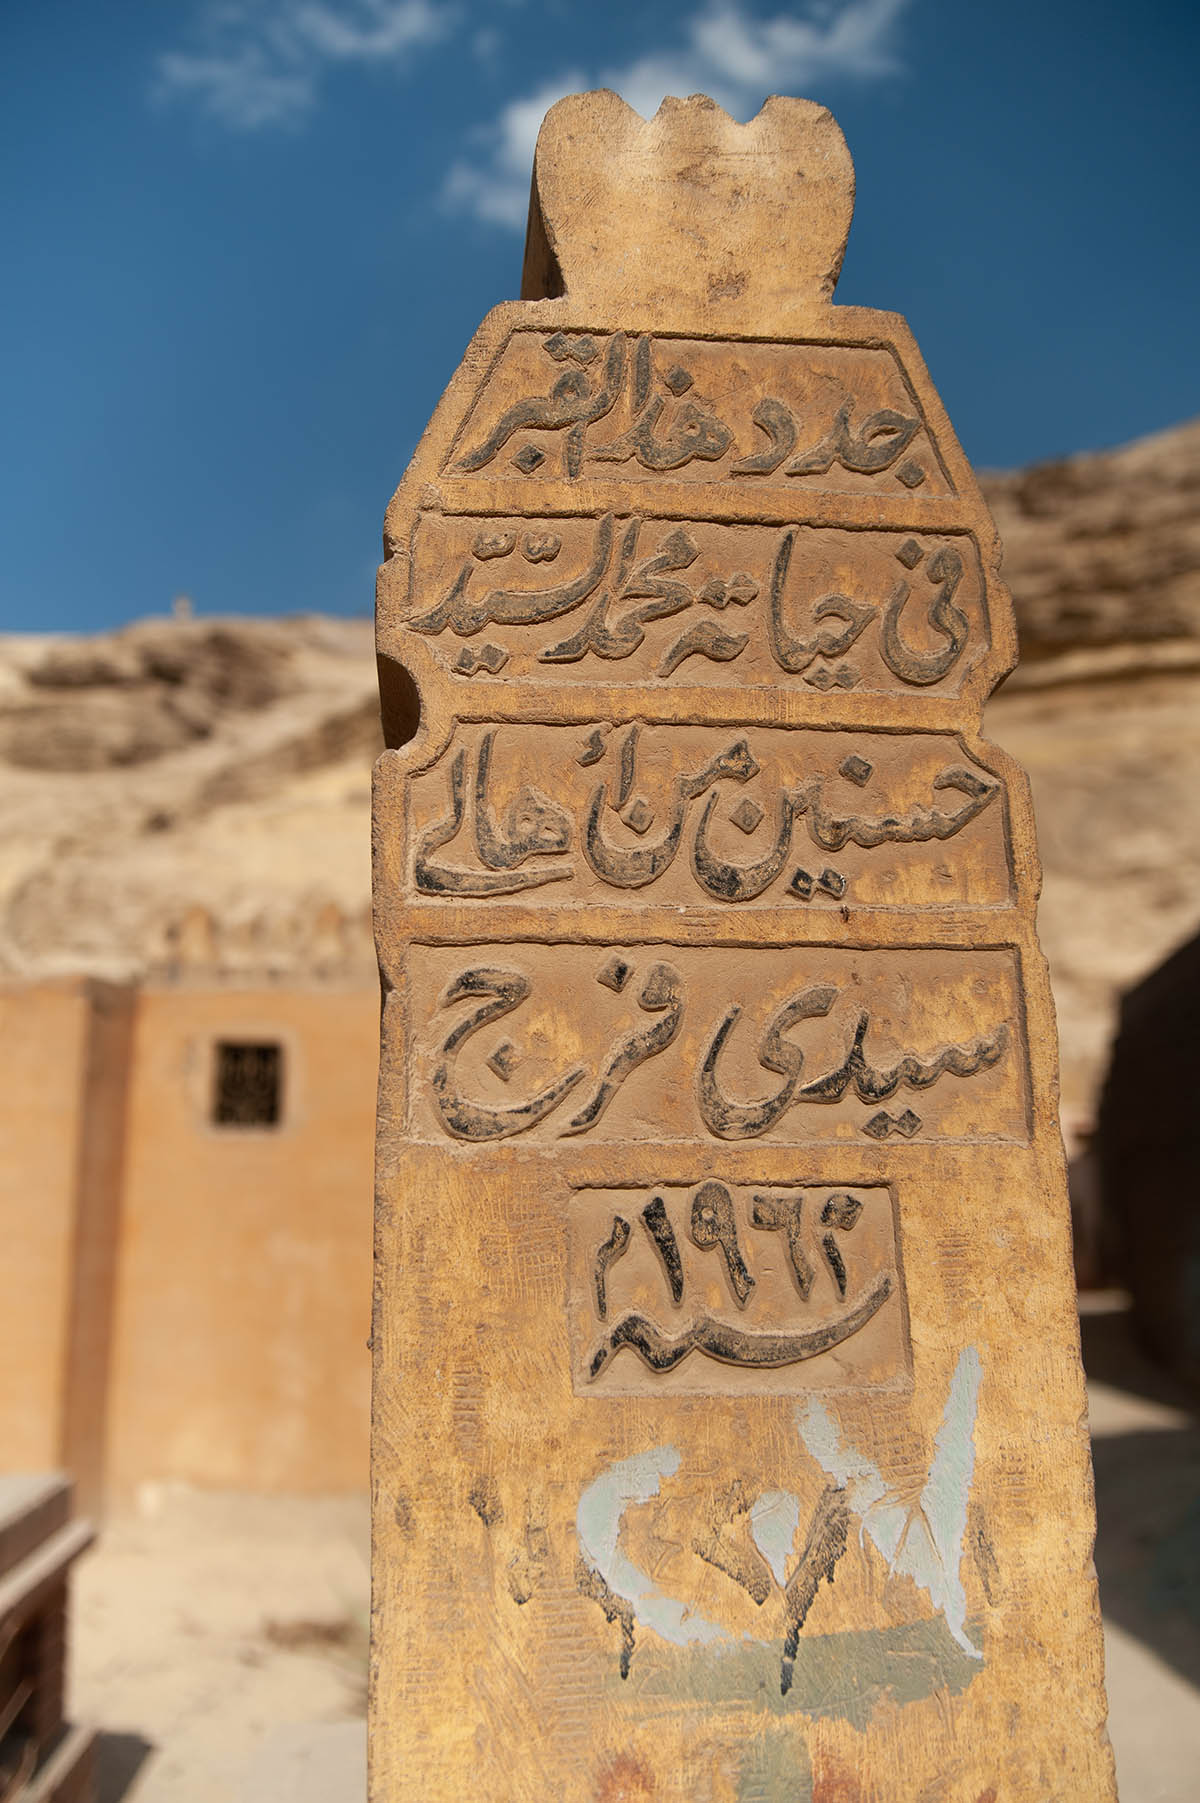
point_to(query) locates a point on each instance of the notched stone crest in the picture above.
(626, 223)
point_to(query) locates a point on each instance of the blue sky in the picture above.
(248, 240)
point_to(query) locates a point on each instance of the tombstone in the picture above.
(43, 1757)
(729, 1434)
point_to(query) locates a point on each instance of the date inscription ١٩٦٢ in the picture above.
(728, 1286)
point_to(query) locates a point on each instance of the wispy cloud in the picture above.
(496, 186)
(723, 52)
(256, 64)
(252, 64)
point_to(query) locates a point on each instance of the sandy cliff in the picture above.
(190, 799)
(1102, 554)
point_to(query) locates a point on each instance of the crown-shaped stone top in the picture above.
(689, 214)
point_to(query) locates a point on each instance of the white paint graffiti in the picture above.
(598, 1521)
(925, 1541)
(774, 1518)
(922, 1539)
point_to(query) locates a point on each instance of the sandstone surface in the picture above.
(575, 1227)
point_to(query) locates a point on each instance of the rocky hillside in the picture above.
(1103, 552)
(189, 800)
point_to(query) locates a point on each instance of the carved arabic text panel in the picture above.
(805, 416)
(702, 815)
(723, 1289)
(591, 1043)
(633, 599)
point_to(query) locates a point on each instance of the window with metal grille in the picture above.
(247, 1084)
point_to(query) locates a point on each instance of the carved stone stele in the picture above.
(729, 1435)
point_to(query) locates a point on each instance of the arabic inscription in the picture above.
(578, 1042)
(703, 815)
(591, 405)
(632, 598)
(743, 1288)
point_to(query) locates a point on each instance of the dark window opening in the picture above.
(247, 1085)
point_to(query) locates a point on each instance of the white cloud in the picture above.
(724, 52)
(498, 188)
(258, 63)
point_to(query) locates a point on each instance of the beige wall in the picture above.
(43, 1047)
(243, 1302)
(181, 1300)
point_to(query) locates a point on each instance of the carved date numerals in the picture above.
(731, 1278)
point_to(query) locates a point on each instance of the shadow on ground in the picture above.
(1147, 1461)
(119, 1759)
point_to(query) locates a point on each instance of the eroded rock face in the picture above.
(188, 799)
(1102, 553)
(127, 697)
(1104, 549)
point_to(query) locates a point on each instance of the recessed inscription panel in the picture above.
(805, 416)
(703, 816)
(650, 1043)
(626, 598)
(720, 1289)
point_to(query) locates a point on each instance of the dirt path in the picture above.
(220, 1643)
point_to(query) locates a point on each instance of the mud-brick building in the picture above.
(185, 1207)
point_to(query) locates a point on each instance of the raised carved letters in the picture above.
(735, 1288)
(703, 816)
(638, 598)
(562, 1043)
(580, 404)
